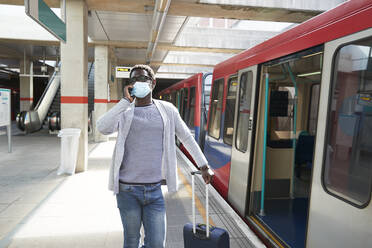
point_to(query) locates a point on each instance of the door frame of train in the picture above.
(331, 218)
(241, 162)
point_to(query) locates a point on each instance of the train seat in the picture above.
(304, 152)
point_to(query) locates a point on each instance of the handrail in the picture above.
(45, 91)
(90, 69)
(294, 125)
(262, 210)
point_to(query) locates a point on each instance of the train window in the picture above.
(228, 129)
(178, 100)
(244, 108)
(313, 108)
(185, 96)
(191, 109)
(281, 116)
(173, 98)
(216, 109)
(181, 103)
(347, 170)
(207, 91)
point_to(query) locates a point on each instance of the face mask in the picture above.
(141, 89)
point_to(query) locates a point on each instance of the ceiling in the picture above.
(195, 35)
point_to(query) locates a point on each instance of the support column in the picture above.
(114, 97)
(26, 85)
(118, 82)
(101, 78)
(113, 86)
(74, 77)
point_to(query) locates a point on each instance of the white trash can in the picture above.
(69, 150)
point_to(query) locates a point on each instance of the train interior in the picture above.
(293, 101)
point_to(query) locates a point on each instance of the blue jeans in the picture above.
(142, 204)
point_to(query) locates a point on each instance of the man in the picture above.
(144, 155)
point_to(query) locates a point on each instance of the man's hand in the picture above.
(207, 174)
(126, 93)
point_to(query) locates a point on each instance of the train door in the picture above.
(283, 150)
(190, 119)
(242, 140)
(184, 95)
(205, 98)
(340, 209)
(217, 148)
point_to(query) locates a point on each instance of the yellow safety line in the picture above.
(198, 204)
(267, 232)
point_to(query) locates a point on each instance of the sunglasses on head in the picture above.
(141, 78)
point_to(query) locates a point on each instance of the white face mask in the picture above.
(141, 89)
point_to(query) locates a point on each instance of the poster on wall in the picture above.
(4, 107)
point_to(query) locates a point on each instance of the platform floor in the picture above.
(287, 218)
(40, 209)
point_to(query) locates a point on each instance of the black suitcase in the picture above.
(200, 235)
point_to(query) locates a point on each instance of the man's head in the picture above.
(141, 81)
(142, 73)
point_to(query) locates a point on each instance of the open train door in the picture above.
(340, 208)
(241, 154)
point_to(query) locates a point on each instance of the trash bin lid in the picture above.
(69, 132)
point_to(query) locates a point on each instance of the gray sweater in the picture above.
(119, 119)
(143, 147)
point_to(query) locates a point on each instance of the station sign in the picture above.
(40, 12)
(4, 107)
(122, 72)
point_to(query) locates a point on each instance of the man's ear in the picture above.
(153, 83)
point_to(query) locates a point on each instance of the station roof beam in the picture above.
(279, 11)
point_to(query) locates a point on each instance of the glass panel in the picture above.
(207, 91)
(348, 167)
(216, 109)
(245, 94)
(190, 121)
(178, 100)
(230, 111)
(185, 95)
(182, 96)
(313, 112)
(174, 98)
(281, 117)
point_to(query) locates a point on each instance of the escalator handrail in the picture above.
(46, 89)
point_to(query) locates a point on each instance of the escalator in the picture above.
(48, 109)
(54, 113)
(32, 121)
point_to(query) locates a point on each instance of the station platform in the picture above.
(40, 209)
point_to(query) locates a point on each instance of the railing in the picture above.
(46, 99)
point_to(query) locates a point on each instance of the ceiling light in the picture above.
(309, 74)
(310, 55)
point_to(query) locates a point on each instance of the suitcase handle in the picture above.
(193, 203)
(201, 231)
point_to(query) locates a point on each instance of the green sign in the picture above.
(42, 14)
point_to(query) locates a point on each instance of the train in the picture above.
(191, 97)
(288, 131)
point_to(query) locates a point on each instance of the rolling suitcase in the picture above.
(200, 235)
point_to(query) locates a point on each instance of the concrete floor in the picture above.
(40, 209)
